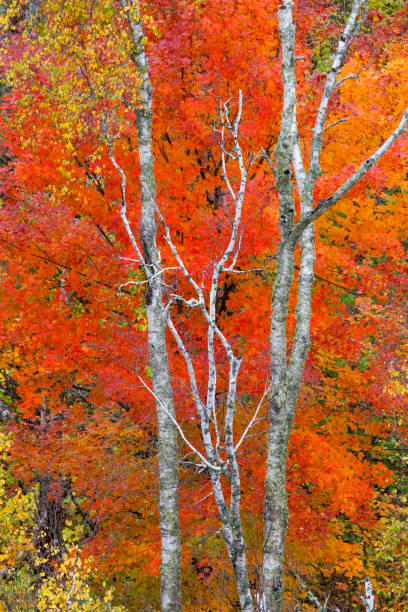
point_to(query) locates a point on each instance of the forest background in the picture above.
(79, 472)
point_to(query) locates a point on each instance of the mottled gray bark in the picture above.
(275, 501)
(156, 325)
(287, 370)
(218, 438)
(220, 451)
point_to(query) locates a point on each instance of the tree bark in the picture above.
(275, 500)
(218, 465)
(287, 377)
(156, 326)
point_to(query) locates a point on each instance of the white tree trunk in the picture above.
(368, 598)
(156, 326)
(287, 371)
(220, 466)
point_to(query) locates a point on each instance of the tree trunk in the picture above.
(280, 420)
(156, 325)
(282, 407)
(286, 378)
(235, 543)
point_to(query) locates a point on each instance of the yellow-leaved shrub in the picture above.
(22, 584)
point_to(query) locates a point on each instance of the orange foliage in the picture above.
(72, 322)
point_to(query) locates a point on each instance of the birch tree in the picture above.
(289, 170)
(218, 453)
(219, 456)
(148, 255)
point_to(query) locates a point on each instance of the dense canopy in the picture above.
(236, 101)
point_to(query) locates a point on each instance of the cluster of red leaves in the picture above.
(72, 323)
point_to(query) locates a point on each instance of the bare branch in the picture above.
(143, 282)
(327, 203)
(179, 429)
(187, 358)
(321, 607)
(268, 161)
(254, 418)
(335, 123)
(350, 32)
(109, 140)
